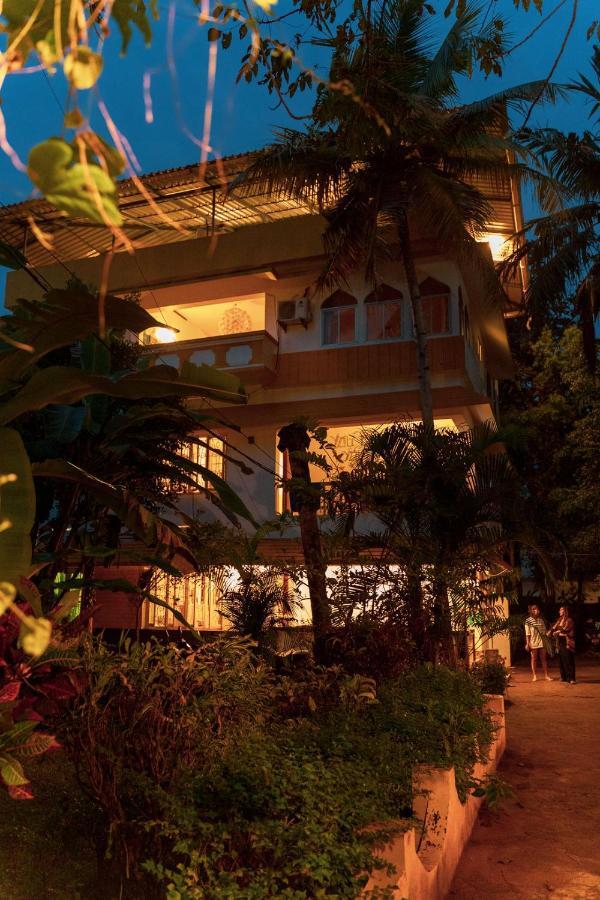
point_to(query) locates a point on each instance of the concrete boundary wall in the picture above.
(425, 858)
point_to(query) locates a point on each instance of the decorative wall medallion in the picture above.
(235, 321)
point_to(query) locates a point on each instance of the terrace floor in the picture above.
(544, 843)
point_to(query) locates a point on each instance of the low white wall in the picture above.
(425, 858)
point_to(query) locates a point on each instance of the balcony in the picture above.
(250, 355)
(236, 335)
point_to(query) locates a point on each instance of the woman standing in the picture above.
(564, 630)
(536, 641)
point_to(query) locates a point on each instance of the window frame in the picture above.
(198, 448)
(337, 311)
(430, 298)
(378, 306)
(200, 592)
(338, 303)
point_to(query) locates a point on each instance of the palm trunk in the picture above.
(423, 370)
(445, 651)
(317, 582)
(416, 615)
(585, 301)
(305, 501)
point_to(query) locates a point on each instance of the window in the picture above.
(208, 454)
(195, 597)
(338, 319)
(345, 444)
(435, 302)
(384, 314)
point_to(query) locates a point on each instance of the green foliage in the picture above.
(62, 318)
(441, 718)
(34, 679)
(554, 407)
(257, 603)
(134, 13)
(492, 677)
(495, 790)
(78, 188)
(446, 502)
(95, 468)
(255, 786)
(17, 508)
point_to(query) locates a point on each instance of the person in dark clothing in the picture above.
(564, 630)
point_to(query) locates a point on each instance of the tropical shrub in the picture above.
(492, 677)
(216, 778)
(256, 604)
(442, 719)
(38, 660)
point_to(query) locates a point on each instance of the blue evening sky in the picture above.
(244, 116)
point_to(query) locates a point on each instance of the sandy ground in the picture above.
(546, 841)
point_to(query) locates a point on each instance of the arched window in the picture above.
(435, 300)
(384, 313)
(338, 319)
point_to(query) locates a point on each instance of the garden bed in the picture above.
(205, 774)
(425, 857)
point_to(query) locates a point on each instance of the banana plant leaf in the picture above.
(152, 530)
(66, 385)
(61, 319)
(17, 505)
(228, 497)
(63, 424)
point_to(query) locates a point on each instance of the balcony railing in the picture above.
(249, 354)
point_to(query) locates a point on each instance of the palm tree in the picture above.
(563, 245)
(389, 156)
(305, 499)
(448, 503)
(256, 604)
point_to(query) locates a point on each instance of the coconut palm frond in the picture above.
(353, 238)
(307, 167)
(451, 58)
(587, 87)
(493, 110)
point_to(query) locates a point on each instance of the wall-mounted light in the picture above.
(499, 245)
(165, 335)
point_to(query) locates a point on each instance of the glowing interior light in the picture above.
(165, 335)
(499, 245)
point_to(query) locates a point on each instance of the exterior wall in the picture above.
(117, 609)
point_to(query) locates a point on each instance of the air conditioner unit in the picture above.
(294, 312)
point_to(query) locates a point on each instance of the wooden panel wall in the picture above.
(117, 609)
(395, 360)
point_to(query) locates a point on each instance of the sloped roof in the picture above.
(199, 205)
(199, 202)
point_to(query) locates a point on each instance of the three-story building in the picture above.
(231, 284)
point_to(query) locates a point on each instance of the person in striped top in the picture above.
(536, 641)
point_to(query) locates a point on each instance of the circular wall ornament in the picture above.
(235, 320)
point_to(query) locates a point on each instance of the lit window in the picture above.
(195, 597)
(435, 303)
(339, 325)
(338, 318)
(209, 455)
(384, 313)
(435, 314)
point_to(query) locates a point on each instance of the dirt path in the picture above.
(545, 843)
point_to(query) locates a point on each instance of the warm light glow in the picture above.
(165, 335)
(499, 245)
